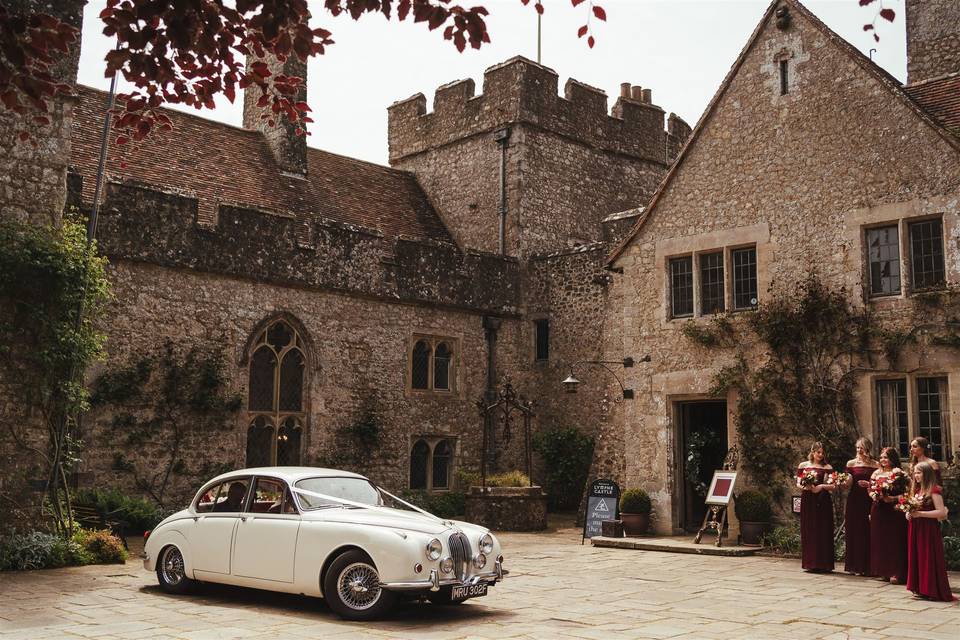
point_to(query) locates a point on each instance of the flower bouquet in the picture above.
(808, 478)
(909, 504)
(838, 478)
(889, 485)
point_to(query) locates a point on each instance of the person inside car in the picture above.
(234, 501)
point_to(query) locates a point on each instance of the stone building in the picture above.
(344, 295)
(810, 159)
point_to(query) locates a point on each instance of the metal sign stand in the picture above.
(603, 503)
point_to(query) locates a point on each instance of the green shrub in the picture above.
(951, 552)
(753, 506)
(509, 479)
(40, 550)
(784, 539)
(136, 514)
(635, 501)
(102, 546)
(443, 505)
(566, 455)
(467, 479)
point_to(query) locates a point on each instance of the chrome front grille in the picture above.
(460, 553)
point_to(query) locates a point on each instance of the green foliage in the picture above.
(697, 443)
(635, 501)
(355, 444)
(443, 505)
(951, 552)
(784, 540)
(53, 289)
(804, 390)
(136, 514)
(158, 402)
(753, 506)
(719, 332)
(467, 479)
(567, 454)
(41, 550)
(893, 343)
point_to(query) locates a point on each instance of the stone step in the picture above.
(674, 545)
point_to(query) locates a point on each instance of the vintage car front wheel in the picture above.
(172, 572)
(351, 587)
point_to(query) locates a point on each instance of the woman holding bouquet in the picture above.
(857, 513)
(888, 526)
(816, 511)
(926, 567)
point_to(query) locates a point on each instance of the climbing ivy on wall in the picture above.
(159, 403)
(53, 289)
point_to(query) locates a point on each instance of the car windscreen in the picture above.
(354, 489)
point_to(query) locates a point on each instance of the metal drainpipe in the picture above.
(502, 136)
(491, 325)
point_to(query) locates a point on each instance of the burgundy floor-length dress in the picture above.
(816, 526)
(926, 566)
(857, 523)
(888, 542)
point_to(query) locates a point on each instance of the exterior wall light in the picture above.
(571, 382)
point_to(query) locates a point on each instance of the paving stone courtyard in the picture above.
(557, 589)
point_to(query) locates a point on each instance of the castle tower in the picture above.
(288, 147)
(933, 39)
(550, 166)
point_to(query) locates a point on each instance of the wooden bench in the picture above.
(91, 518)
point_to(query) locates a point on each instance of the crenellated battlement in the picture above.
(522, 91)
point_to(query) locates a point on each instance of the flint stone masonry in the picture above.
(933, 39)
(507, 508)
(843, 150)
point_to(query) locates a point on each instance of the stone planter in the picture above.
(751, 532)
(635, 524)
(507, 508)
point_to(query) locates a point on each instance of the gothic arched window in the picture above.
(275, 397)
(432, 366)
(431, 463)
(418, 464)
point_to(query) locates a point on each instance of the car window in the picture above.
(267, 496)
(226, 497)
(355, 489)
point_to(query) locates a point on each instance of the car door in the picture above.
(265, 542)
(217, 514)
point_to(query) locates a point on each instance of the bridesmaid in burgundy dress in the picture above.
(919, 448)
(926, 566)
(857, 514)
(816, 512)
(888, 528)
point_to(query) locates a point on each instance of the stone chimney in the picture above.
(288, 148)
(933, 39)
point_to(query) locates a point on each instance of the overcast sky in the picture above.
(681, 49)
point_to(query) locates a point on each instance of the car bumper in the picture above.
(435, 581)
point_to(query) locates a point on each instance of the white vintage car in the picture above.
(320, 532)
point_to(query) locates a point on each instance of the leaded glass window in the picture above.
(276, 396)
(883, 254)
(441, 465)
(441, 367)
(926, 254)
(744, 278)
(711, 283)
(542, 338)
(681, 287)
(892, 415)
(418, 465)
(932, 414)
(431, 463)
(432, 365)
(420, 365)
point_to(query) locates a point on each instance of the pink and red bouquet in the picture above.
(838, 478)
(909, 504)
(808, 478)
(889, 485)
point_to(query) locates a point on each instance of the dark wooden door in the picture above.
(703, 445)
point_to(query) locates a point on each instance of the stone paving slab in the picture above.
(558, 588)
(673, 545)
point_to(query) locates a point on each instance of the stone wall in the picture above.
(933, 39)
(841, 150)
(569, 161)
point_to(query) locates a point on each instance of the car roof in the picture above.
(290, 474)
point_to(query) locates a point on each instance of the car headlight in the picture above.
(446, 565)
(486, 543)
(434, 549)
(480, 561)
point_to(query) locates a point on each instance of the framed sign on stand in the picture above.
(718, 501)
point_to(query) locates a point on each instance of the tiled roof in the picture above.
(940, 98)
(218, 163)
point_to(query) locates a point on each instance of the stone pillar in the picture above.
(288, 147)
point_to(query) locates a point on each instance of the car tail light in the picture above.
(146, 534)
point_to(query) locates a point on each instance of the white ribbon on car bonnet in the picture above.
(323, 496)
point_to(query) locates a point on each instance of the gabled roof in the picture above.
(940, 97)
(892, 85)
(218, 163)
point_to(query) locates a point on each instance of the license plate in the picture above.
(468, 591)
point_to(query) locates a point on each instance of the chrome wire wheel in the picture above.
(171, 566)
(358, 586)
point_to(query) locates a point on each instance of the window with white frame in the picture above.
(910, 407)
(431, 463)
(920, 259)
(711, 282)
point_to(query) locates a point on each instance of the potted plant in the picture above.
(753, 510)
(635, 512)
